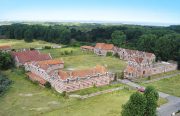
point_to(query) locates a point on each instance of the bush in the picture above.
(47, 85)
(32, 48)
(116, 55)
(119, 75)
(66, 52)
(109, 54)
(65, 94)
(142, 104)
(149, 77)
(4, 84)
(47, 47)
(6, 61)
(135, 106)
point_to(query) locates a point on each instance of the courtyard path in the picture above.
(167, 109)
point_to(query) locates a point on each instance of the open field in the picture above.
(25, 98)
(17, 44)
(170, 85)
(82, 60)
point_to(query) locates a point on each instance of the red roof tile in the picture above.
(82, 73)
(35, 77)
(104, 46)
(5, 47)
(28, 56)
(87, 47)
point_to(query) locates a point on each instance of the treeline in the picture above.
(163, 41)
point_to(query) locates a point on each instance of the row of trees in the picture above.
(142, 104)
(163, 41)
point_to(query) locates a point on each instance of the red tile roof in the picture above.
(87, 47)
(5, 47)
(63, 74)
(138, 60)
(35, 77)
(82, 73)
(29, 56)
(104, 46)
(130, 69)
(51, 62)
(45, 64)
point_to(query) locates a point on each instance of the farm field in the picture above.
(17, 44)
(169, 85)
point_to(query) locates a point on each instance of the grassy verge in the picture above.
(170, 85)
(162, 101)
(139, 80)
(96, 89)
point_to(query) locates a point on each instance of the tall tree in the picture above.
(152, 97)
(135, 106)
(147, 42)
(118, 38)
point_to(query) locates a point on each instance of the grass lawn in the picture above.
(170, 85)
(25, 98)
(162, 101)
(96, 89)
(16, 44)
(139, 80)
(82, 60)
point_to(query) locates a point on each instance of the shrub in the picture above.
(4, 84)
(135, 106)
(47, 47)
(47, 85)
(32, 48)
(65, 94)
(66, 52)
(109, 54)
(6, 61)
(149, 77)
(116, 55)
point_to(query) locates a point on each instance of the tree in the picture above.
(6, 61)
(28, 35)
(147, 42)
(118, 38)
(152, 97)
(135, 106)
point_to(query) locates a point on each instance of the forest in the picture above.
(164, 42)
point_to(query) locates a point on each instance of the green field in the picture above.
(83, 60)
(170, 85)
(17, 44)
(156, 76)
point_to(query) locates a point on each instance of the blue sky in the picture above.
(160, 11)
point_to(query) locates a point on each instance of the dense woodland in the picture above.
(163, 41)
